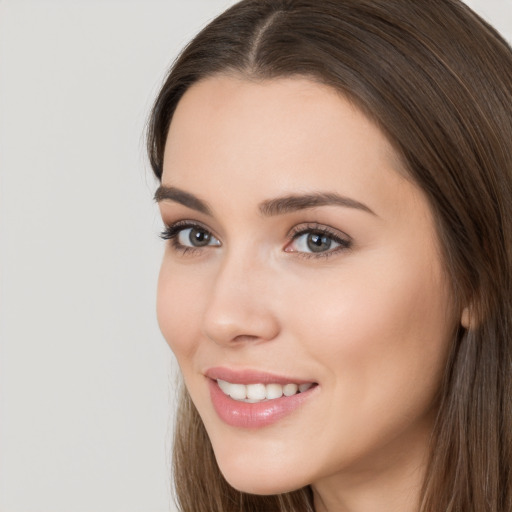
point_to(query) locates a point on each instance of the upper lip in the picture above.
(250, 376)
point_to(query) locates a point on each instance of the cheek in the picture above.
(380, 332)
(178, 310)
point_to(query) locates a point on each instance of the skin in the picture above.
(370, 323)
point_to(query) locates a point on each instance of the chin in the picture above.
(248, 473)
(256, 483)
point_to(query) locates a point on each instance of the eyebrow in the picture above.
(268, 208)
(293, 203)
(177, 195)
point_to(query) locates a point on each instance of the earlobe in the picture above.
(465, 318)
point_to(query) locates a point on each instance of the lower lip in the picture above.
(257, 415)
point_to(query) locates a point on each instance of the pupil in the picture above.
(318, 242)
(199, 238)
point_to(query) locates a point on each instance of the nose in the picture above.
(240, 304)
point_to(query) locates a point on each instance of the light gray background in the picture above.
(86, 381)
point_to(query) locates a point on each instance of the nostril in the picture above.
(245, 337)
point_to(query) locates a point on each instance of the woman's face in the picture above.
(300, 255)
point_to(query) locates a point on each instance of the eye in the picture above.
(187, 236)
(317, 241)
(195, 237)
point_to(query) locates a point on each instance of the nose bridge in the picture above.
(239, 305)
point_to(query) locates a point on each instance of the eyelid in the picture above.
(173, 228)
(340, 237)
(172, 232)
(343, 241)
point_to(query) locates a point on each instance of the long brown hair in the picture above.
(438, 81)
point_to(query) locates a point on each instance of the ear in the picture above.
(466, 318)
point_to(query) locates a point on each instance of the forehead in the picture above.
(219, 105)
(275, 137)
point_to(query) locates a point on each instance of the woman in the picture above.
(336, 185)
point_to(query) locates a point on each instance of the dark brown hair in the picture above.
(438, 81)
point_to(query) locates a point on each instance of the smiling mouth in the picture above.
(259, 392)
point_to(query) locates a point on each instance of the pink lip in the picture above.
(250, 377)
(257, 415)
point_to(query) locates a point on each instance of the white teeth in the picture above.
(290, 389)
(256, 391)
(253, 393)
(238, 391)
(224, 386)
(274, 391)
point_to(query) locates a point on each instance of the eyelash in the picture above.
(343, 240)
(171, 233)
